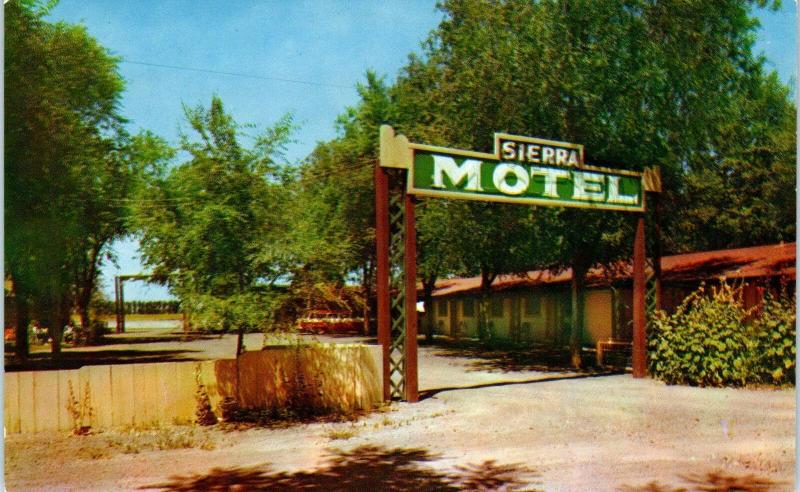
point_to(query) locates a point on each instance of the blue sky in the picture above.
(325, 43)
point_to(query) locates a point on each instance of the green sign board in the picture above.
(522, 170)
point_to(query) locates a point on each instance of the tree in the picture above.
(333, 236)
(63, 136)
(745, 196)
(205, 224)
(639, 83)
(437, 254)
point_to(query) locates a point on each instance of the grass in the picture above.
(396, 424)
(341, 434)
(135, 440)
(144, 317)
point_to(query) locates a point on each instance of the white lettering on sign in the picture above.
(509, 150)
(588, 186)
(538, 153)
(469, 169)
(533, 153)
(514, 179)
(548, 155)
(550, 179)
(500, 175)
(615, 197)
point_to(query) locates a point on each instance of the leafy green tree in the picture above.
(62, 164)
(437, 253)
(204, 224)
(333, 237)
(745, 195)
(639, 83)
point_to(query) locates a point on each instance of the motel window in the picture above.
(533, 304)
(497, 308)
(468, 308)
(442, 308)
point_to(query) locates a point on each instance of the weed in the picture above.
(80, 410)
(162, 438)
(341, 434)
(203, 413)
(94, 452)
(171, 438)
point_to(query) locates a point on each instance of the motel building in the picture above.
(536, 306)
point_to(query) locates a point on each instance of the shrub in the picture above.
(204, 415)
(709, 341)
(776, 330)
(93, 335)
(251, 311)
(704, 342)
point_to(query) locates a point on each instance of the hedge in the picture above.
(712, 340)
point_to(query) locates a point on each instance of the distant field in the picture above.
(144, 317)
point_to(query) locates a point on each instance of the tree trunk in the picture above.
(483, 305)
(82, 306)
(428, 285)
(21, 347)
(365, 292)
(240, 341)
(576, 332)
(85, 284)
(57, 317)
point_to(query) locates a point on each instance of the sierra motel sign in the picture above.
(521, 170)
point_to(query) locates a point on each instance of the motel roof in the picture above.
(776, 260)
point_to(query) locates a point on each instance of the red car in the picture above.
(330, 321)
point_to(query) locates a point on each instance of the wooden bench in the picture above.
(610, 344)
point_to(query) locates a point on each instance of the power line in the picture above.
(235, 74)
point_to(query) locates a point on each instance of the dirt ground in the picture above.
(488, 420)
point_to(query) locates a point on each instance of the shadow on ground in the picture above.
(425, 394)
(509, 357)
(45, 361)
(133, 339)
(364, 468)
(716, 481)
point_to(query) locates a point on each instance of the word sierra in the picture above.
(541, 152)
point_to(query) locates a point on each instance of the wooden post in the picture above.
(411, 384)
(382, 272)
(639, 291)
(576, 298)
(116, 306)
(657, 247)
(121, 322)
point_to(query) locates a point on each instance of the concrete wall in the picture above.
(333, 377)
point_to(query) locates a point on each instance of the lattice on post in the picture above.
(397, 347)
(651, 298)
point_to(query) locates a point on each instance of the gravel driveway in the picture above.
(485, 422)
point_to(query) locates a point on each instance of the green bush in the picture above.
(251, 311)
(776, 330)
(712, 340)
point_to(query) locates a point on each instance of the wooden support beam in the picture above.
(656, 201)
(411, 386)
(116, 306)
(121, 322)
(639, 292)
(382, 271)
